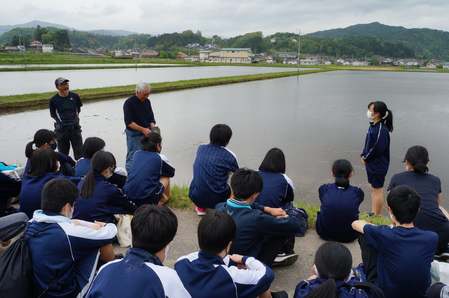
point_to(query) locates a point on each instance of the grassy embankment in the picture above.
(180, 199)
(10, 103)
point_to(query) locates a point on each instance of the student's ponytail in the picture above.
(342, 169)
(29, 149)
(41, 137)
(386, 115)
(328, 289)
(101, 161)
(388, 120)
(418, 158)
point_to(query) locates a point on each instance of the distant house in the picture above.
(386, 61)
(121, 54)
(446, 65)
(359, 63)
(287, 57)
(36, 45)
(149, 54)
(204, 55)
(192, 58)
(269, 60)
(310, 61)
(47, 48)
(12, 49)
(181, 55)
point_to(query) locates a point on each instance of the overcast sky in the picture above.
(226, 17)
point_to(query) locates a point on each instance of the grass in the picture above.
(70, 58)
(14, 103)
(180, 200)
(384, 68)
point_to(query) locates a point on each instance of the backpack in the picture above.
(370, 289)
(16, 271)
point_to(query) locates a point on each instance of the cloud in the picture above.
(227, 17)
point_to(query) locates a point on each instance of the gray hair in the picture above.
(142, 86)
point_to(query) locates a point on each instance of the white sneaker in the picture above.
(284, 259)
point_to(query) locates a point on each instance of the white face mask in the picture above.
(369, 115)
(167, 249)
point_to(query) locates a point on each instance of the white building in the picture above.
(227, 55)
(47, 48)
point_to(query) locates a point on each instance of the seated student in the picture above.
(46, 139)
(149, 178)
(259, 235)
(9, 188)
(65, 252)
(332, 275)
(430, 215)
(398, 258)
(90, 146)
(141, 273)
(211, 272)
(340, 204)
(278, 192)
(43, 168)
(213, 164)
(99, 200)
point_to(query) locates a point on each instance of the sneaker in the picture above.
(285, 259)
(200, 211)
(280, 294)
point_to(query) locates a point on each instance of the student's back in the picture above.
(211, 170)
(139, 274)
(339, 208)
(344, 289)
(277, 190)
(143, 185)
(30, 193)
(428, 187)
(105, 201)
(64, 253)
(404, 256)
(253, 225)
(82, 167)
(205, 275)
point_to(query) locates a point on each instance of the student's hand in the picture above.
(363, 161)
(312, 277)
(276, 212)
(99, 224)
(146, 131)
(238, 259)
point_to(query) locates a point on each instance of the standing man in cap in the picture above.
(65, 107)
(139, 120)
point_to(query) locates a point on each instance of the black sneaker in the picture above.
(285, 259)
(280, 294)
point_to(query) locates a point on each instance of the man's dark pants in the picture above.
(67, 135)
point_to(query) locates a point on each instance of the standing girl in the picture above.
(376, 153)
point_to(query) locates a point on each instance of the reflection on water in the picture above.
(315, 119)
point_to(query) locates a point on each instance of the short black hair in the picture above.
(245, 183)
(342, 169)
(43, 161)
(404, 203)
(274, 161)
(220, 135)
(150, 142)
(418, 158)
(92, 145)
(56, 193)
(215, 231)
(153, 227)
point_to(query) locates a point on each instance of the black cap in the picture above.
(60, 81)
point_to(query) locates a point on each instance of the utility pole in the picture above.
(299, 47)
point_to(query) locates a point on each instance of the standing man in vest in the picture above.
(65, 107)
(139, 120)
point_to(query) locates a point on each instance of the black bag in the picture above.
(371, 290)
(16, 271)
